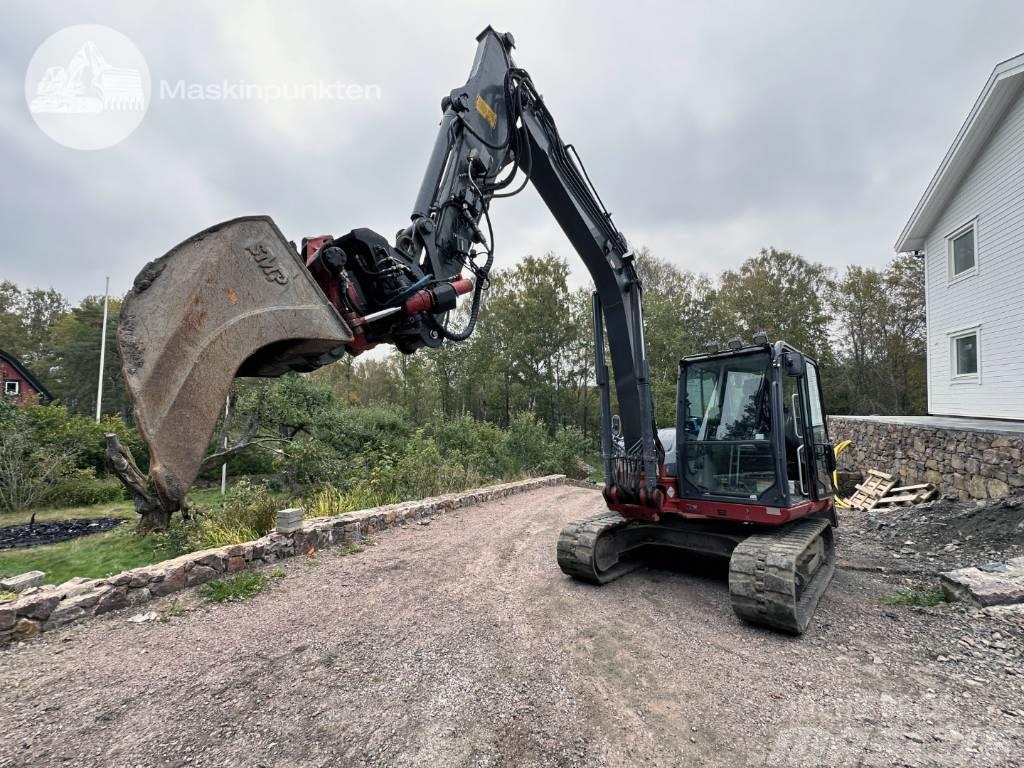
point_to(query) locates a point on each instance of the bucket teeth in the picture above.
(232, 300)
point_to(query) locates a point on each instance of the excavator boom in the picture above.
(239, 300)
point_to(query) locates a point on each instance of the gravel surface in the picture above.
(460, 643)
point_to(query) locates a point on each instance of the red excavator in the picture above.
(745, 472)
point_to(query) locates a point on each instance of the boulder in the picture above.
(987, 585)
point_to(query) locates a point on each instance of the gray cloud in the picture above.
(710, 129)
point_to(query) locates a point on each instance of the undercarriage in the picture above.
(776, 575)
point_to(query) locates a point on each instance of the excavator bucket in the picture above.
(233, 300)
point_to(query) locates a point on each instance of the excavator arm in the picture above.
(239, 300)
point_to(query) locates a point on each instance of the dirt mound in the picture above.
(941, 534)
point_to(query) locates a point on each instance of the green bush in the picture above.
(527, 444)
(565, 452)
(81, 488)
(248, 512)
(55, 426)
(477, 446)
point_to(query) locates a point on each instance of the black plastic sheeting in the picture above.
(20, 536)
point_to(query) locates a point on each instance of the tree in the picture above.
(76, 355)
(679, 310)
(29, 469)
(881, 338)
(782, 294)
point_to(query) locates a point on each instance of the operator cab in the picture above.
(750, 428)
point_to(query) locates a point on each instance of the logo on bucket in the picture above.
(87, 87)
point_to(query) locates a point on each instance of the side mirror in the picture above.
(616, 426)
(794, 364)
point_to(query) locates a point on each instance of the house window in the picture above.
(12, 387)
(966, 355)
(962, 252)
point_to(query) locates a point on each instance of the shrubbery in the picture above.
(450, 456)
(360, 456)
(81, 488)
(248, 512)
(52, 457)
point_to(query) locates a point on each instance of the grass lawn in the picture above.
(101, 554)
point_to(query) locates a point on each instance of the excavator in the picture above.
(743, 474)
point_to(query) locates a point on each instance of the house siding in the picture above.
(991, 194)
(28, 395)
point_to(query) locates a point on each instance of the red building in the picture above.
(19, 384)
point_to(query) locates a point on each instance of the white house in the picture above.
(970, 226)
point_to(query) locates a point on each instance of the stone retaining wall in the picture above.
(39, 610)
(969, 464)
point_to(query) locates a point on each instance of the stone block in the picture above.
(78, 586)
(75, 608)
(173, 581)
(26, 628)
(977, 488)
(113, 600)
(213, 559)
(7, 617)
(143, 577)
(236, 564)
(999, 584)
(122, 579)
(22, 581)
(38, 606)
(997, 487)
(289, 520)
(200, 574)
(139, 595)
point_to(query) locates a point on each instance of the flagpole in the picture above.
(103, 351)
(224, 466)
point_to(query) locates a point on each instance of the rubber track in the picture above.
(762, 576)
(577, 548)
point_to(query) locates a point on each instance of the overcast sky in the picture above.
(710, 129)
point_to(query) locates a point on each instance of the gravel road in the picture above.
(460, 643)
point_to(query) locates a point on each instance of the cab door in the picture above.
(817, 443)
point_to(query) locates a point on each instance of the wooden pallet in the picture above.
(874, 487)
(907, 495)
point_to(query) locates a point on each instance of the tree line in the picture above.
(533, 348)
